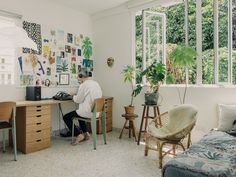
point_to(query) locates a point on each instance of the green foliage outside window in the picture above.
(175, 36)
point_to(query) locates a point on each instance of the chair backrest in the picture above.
(98, 106)
(7, 110)
(182, 117)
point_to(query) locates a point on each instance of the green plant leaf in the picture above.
(87, 48)
(183, 56)
(170, 79)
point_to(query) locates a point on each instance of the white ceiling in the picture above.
(94, 6)
(90, 6)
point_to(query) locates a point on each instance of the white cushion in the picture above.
(227, 115)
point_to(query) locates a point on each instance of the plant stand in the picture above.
(146, 116)
(131, 127)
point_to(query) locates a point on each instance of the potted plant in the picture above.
(155, 75)
(181, 58)
(129, 74)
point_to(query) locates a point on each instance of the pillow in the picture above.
(227, 116)
(233, 130)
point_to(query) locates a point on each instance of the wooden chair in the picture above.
(98, 111)
(179, 124)
(7, 118)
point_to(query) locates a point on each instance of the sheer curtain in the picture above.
(12, 37)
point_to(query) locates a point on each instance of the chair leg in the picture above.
(104, 128)
(189, 140)
(134, 130)
(3, 141)
(129, 129)
(146, 144)
(174, 148)
(73, 125)
(160, 154)
(181, 146)
(94, 132)
(14, 138)
(121, 133)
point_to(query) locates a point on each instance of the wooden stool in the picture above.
(146, 116)
(130, 118)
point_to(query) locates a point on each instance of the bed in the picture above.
(213, 156)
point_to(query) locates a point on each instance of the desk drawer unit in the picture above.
(33, 128)
(108, 104)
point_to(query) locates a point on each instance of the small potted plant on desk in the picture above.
(129, 74)
(155, 75)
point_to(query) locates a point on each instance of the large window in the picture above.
(234, 40)
(7, 55)
(215, 42)
(207, 42)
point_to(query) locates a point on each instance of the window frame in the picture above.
(199, 71)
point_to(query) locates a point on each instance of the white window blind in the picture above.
(7, 54)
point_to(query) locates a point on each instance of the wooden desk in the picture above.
(33, 124)
(41, 102)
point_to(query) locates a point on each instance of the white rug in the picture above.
(119, 158)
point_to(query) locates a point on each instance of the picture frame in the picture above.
(64, 79)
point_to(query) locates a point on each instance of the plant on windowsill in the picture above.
(129, 74)
(155, 75)
(181, 58)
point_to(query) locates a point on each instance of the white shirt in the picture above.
(88, 91)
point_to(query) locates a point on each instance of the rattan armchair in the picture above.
(180, 122)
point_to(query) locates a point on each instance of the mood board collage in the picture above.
(59, 58)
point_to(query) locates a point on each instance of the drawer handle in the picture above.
(38, 110)
(38, 115)
(38, 131)
(38, 106)
(39, 123)
(38, 140)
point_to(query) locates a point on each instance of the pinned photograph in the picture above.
(64, 78)
(78, 52)
(77, 40)
(62, 54)
(26, 80)
(47, 82)
(48, 71)
(68, 49)
(79, 68)
(69, 38)
(59, 64)
(73, 51)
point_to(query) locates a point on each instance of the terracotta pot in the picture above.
(129, 109)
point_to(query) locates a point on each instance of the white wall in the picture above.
(113, 38)
(51, 15)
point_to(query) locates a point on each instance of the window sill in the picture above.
(199, 86)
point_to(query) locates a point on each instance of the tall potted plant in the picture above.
(129, 74)
(155, 75)
(181, 58)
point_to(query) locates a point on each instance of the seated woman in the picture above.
(88, 91)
